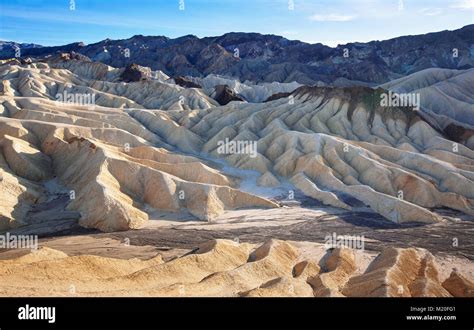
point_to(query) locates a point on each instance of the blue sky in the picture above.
(52, 22)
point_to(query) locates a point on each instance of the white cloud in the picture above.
(463, 4)
(332, 18)
(431, 11)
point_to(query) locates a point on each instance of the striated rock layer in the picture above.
(222, 268)
(117, 155)
(115, 169)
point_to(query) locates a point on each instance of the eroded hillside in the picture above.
(154, 145)
(222, 268)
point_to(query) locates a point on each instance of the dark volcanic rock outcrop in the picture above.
(458, 133)
(134, 72)
(185, 82)
(223, 94)
(74, 56)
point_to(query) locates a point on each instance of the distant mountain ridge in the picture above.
(270, 58)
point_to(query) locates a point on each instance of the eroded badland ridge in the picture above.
(196, 172)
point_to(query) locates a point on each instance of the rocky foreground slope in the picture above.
(117, 156)
(229, 269)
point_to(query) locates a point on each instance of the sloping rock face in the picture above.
(459, 286)
(446, 97)
(398, 273)
(270, 58)
(339, 266)
(268, 180)
(223, 268)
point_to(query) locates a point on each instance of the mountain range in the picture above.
(270, 58)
